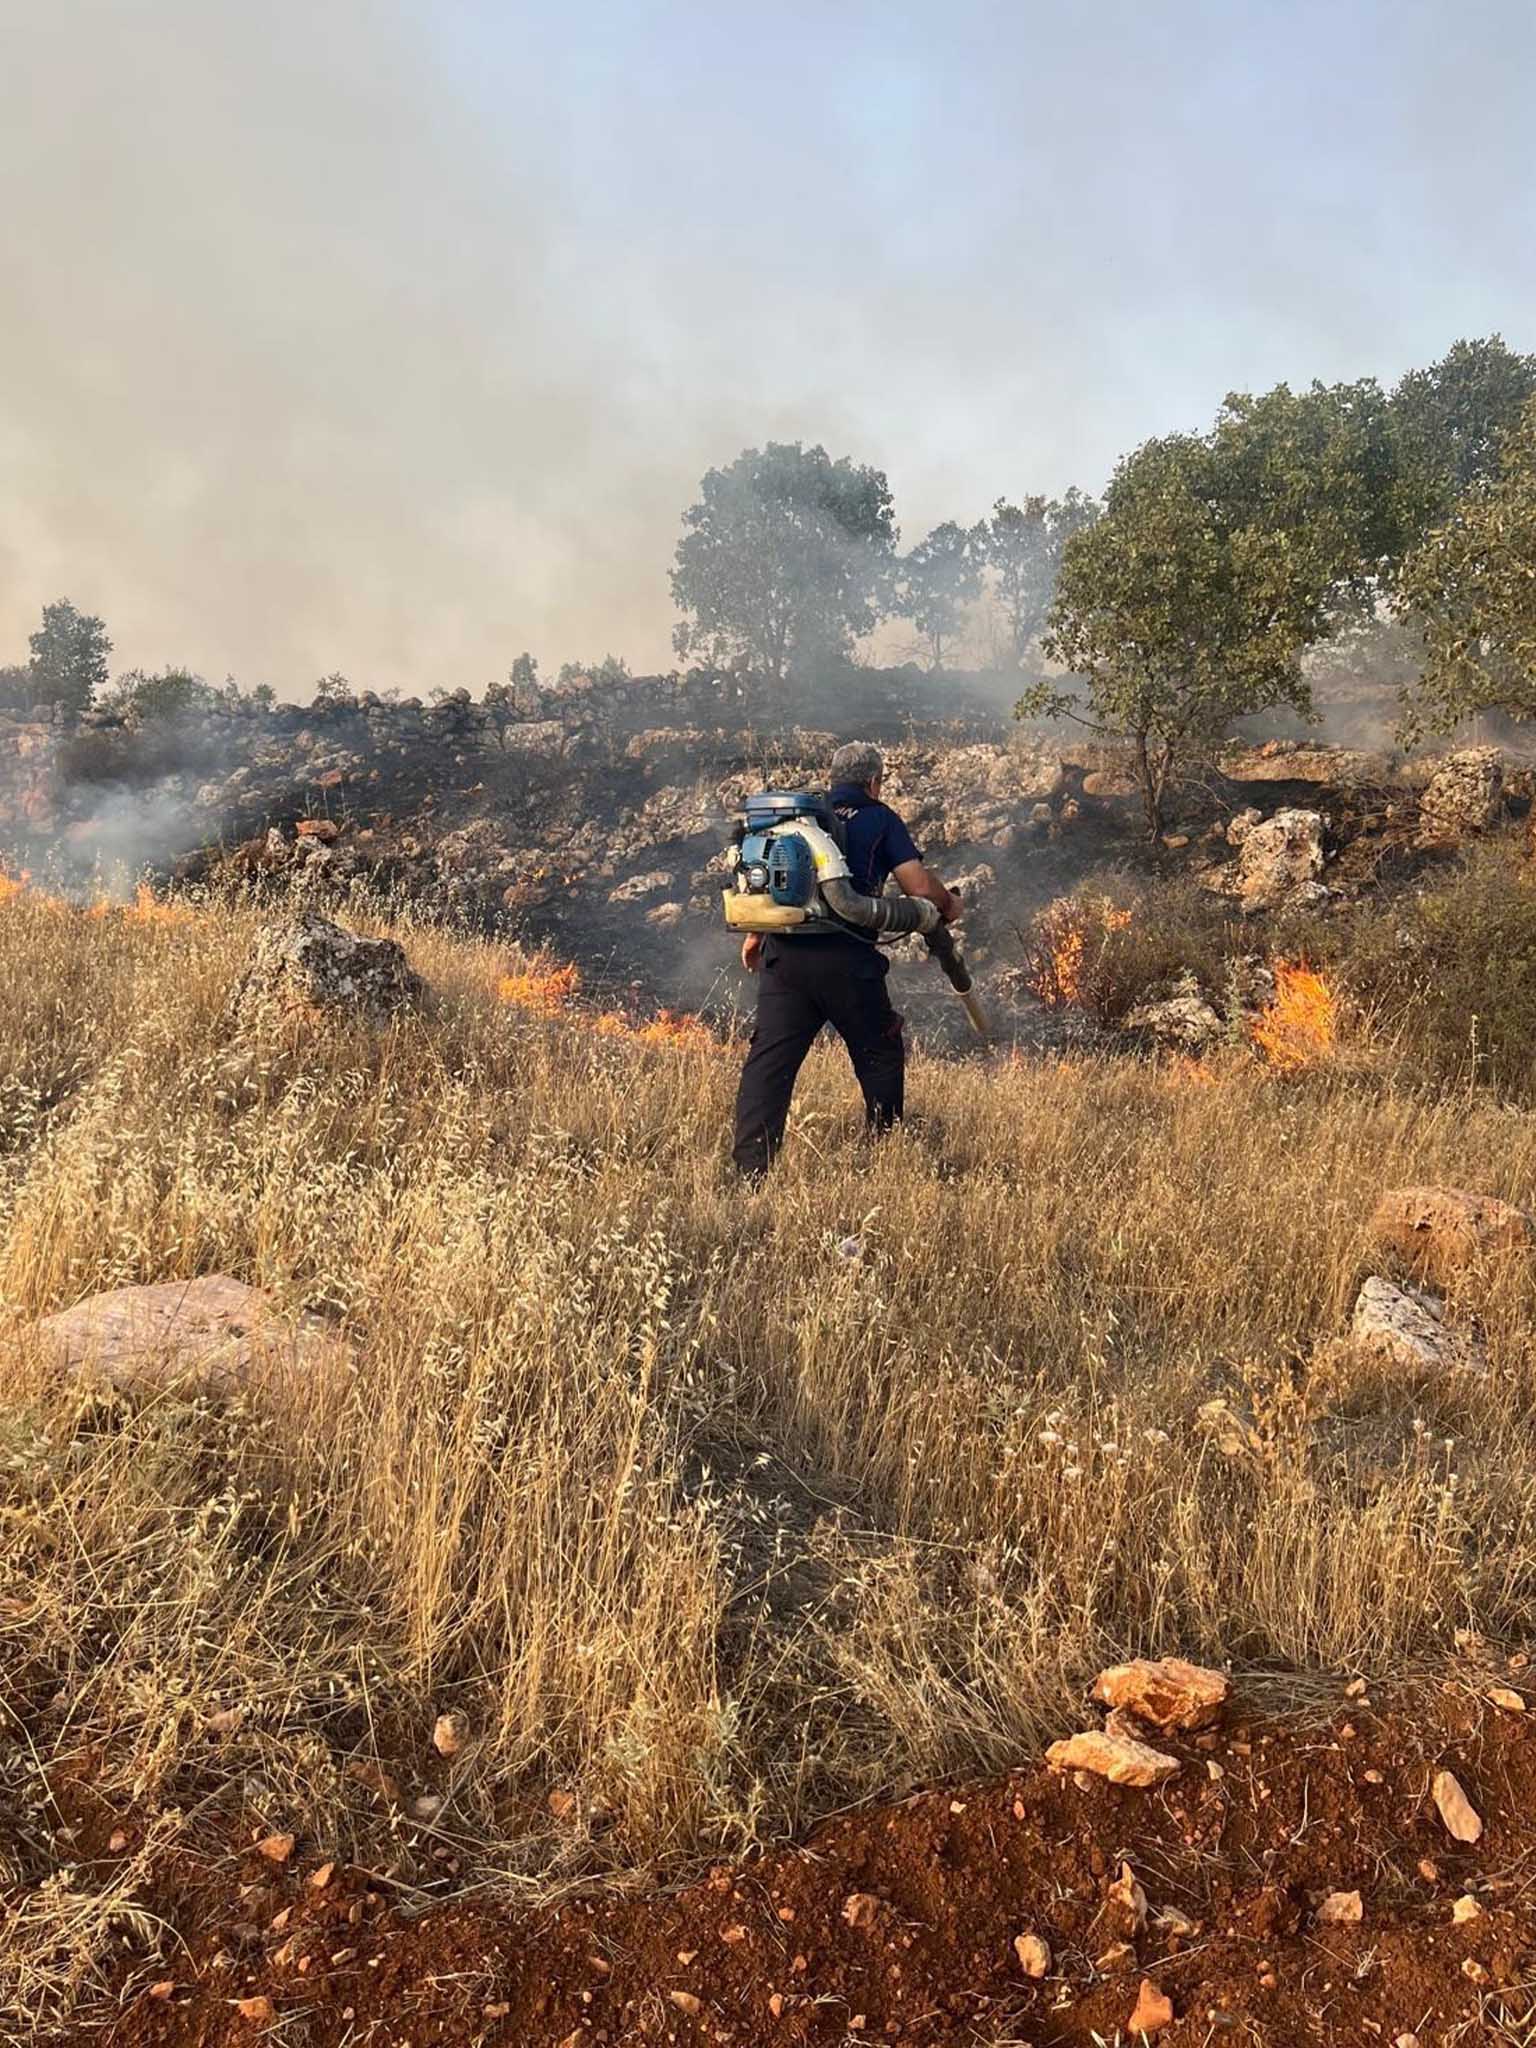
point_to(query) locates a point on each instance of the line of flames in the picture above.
(145, 908)
(556, 992)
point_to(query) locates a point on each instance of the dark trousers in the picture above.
(805, 983)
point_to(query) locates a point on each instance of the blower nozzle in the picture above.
(941, 944)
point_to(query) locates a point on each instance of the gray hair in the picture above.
(858, 763)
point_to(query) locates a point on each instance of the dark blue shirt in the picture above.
(878, 841)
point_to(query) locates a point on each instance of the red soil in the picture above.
(1262, 1822)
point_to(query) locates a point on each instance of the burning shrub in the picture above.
(1108, 956)
(1301, 1025)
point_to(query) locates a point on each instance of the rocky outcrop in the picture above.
(1437, 1233)
(1307, 761)
(1464, 796)
(307, 964)
(211, 1335)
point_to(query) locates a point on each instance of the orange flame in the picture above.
(679, 1031)
(546, 993)
(1301, 1026)
(11, 886)
(146, 908)
(1065, 931)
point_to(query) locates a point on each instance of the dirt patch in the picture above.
(900, 1923)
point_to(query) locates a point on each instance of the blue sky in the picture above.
(395, 338)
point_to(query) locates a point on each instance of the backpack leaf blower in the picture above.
(790, 875)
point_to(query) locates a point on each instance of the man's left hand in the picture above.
(752, 952)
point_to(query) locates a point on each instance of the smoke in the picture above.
(122, 834)
(363, 335)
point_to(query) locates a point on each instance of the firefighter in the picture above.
(833, 975)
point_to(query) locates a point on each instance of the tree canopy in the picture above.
(1022, 546)
(1472, 584)
(69, 657)
(1219, 558)
(783, 558)
(936, 580)
(1450, 420)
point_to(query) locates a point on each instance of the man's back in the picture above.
(877, 839)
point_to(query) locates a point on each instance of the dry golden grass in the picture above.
(682, 1505)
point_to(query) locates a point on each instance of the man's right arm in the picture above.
(915, 878)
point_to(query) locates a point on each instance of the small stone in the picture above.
(1341, 1909)
(1129, 1901)
(1473, 1969)
(276, 1848)
(776, 2004)
(1034, 1954)
(733, 1936)
(1153, 2010)
(1429, 1871)
(320, 1878)
(1373, 1777)
(1455, 1809)
(1356, 1689)
(427, 1805)
(163, 1989)
(1504, 1696)
(373, 1776)
(450, 1732)
(1173, 1922)
(563, 1803)
(686, 2002)
(1406, 2041)
(257, 2010)
(860, 1909)
(687, 1955)
(225, 1720)
(1466, 1908)
(117, 1842)
(1121, 1761)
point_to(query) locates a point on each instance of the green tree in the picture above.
(1450, 421)
(155, 699)
(1022, 547)
(1472, 584)
(784, 559)
(69, 657)
(16, 687)
(935, 582)
(1219, 559)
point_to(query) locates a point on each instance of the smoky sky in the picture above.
(394, 338)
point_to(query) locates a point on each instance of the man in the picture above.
(834, 977)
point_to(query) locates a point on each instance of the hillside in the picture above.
(710, 1515)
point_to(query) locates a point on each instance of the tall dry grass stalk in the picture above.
(716, 1508)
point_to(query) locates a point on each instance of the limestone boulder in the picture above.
(1183, 1023)
(311, 966)
(1438, 1232)
(1464, 796)
(211, 1335)
(1405, 1329)
(1280, 864)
